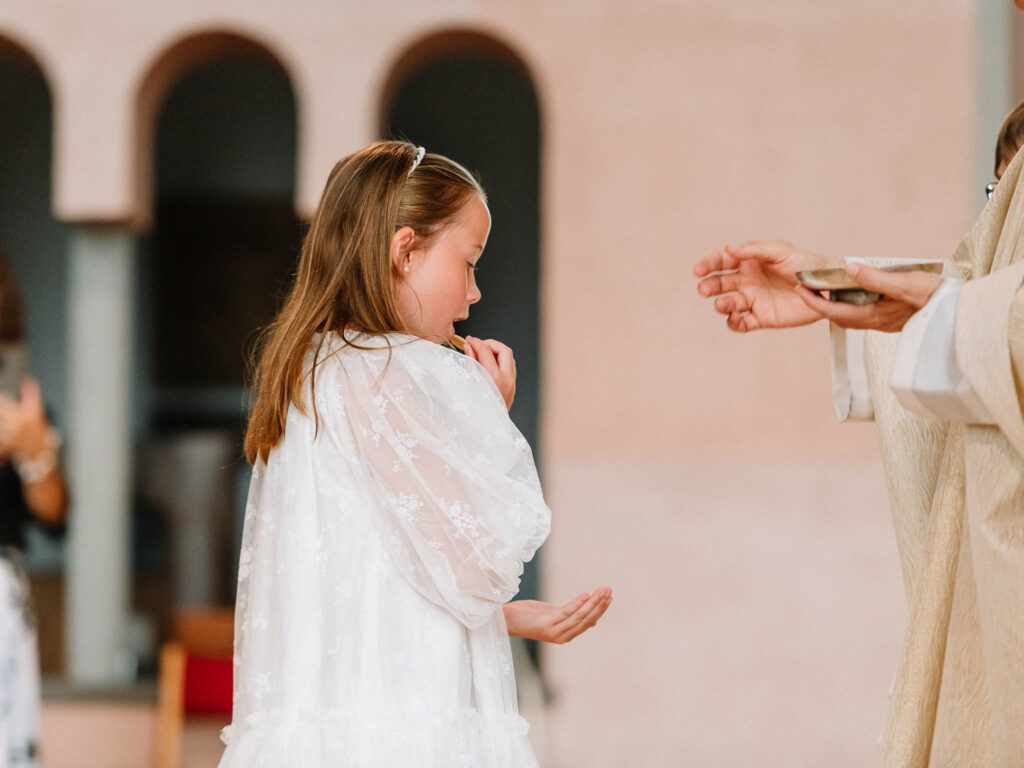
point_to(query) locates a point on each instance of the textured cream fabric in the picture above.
(957, 494)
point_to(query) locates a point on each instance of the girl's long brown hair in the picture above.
(345, 276)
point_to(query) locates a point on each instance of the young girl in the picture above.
(393, 503)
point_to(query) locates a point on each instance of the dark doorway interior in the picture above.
(213, 273)
(481, 110)
(227, 237)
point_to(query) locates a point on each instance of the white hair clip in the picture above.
(420, 152)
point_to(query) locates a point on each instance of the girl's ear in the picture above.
(401, 248)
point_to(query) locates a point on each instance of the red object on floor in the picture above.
(207, 686)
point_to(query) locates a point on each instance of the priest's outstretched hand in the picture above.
(754, 285)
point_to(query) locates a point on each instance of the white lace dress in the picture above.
(379, 547)
(19, 666)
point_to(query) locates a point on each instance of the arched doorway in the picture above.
(33, 239)
(468, 96)
(223, 246)
(35, 245)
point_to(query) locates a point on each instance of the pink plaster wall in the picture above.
(759, 608)
(844, 127)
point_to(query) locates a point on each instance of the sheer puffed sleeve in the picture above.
(453, 481)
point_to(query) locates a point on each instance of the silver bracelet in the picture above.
(43, 463)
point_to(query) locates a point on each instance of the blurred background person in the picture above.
(32, 488)
(1011, 138)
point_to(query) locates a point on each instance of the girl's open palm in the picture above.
(537, 620)
(754, 284)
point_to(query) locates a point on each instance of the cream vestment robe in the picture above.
(957, 496)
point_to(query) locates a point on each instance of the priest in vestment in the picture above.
(940, 367)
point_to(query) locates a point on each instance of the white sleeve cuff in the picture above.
(850, 393)
(925, 375)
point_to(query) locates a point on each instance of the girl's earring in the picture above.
(406, 267)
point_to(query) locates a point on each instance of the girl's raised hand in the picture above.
(556, 624)
(497, 360)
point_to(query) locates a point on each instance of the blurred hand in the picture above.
(903, 293)
(23, 425)
(556, 624)
(497, 360)
(754, 284)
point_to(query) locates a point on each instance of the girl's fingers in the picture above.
(588, 618)
(502, 352)
(571, 619)
(566, 611)
(484, 356)
(583, 610)
(596, 611)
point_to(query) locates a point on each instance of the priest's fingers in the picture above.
(785, 257)
(913, 288)
(716, 285)
(772, 251)
(732, 303)
(886, 315)
(742, 322)
(716, 261)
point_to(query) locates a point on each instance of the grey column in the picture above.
(994, 55)
(101, 301)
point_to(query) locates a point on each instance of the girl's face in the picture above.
(436, 285)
